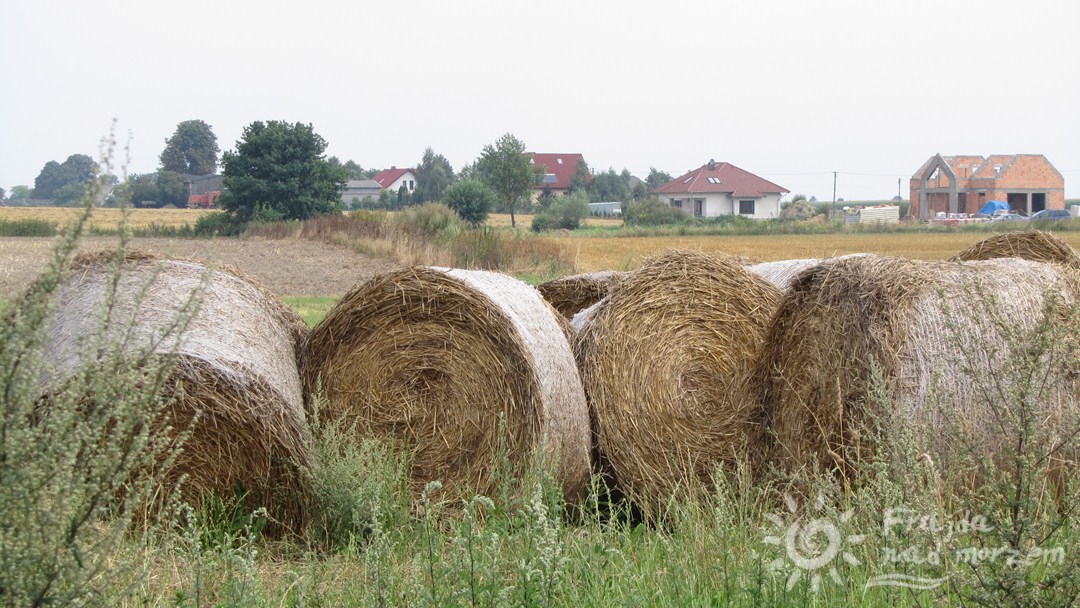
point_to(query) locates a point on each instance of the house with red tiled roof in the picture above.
(393, 179)
(715, 189)
(964, 183)
(558, 172)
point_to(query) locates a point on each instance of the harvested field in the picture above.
(448, 365)
(592, 254)
(665, 360)
(935, 348)
(284, 266)
(106, 217)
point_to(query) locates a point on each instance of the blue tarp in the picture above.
(992, 206)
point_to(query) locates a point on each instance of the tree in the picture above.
(581, 179)
(20, 193)
(77, 169)
(172, 189)
(562, 212)
(280, 167)
(657, 178)
(352, 168)
(508, 170)
(3, 194)
(433, 175)
(610, 186)
(192, 149)
(471, 199)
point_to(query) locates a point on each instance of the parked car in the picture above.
(1051, 214)
(1009, 217)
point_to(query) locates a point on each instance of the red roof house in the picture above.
(393, 178)
(715, 189)
(559, 171)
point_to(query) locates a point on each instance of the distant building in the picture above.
(356, 190)
(559, 171)
(393, 179)
(716, 189)
(963, 184)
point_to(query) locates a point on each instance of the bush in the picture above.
(471, 199)
(651, 212)
(78, 468)
(218, 223)
(562, 212)
(428, 220)
(28, 227)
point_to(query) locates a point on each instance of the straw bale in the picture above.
(236, 371)
(665, 359)
(1035, 245)
(872, 343)
(781, 273)
(433, 359)
(573, 294)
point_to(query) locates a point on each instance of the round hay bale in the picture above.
(1034, 245)
(573, 294)
(665, 359)
(782, 272)
(436, 360)
(872, 344)
(236, 370)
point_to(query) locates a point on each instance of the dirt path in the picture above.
(290, 267)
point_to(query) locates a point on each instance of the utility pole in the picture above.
(898, 197)
(834, 193)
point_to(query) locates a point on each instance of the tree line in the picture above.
(279, 171)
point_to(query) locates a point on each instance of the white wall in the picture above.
(404, 179)
(722, 204)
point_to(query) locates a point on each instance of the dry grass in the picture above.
(436, 361)
(105, 217)
(596, 254)
(524, 220)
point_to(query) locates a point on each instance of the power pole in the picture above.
(898, 190)
(834, 192)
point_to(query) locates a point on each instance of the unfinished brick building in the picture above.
(963, 184)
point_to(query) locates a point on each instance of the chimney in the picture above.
(712, 165)
(393, 167)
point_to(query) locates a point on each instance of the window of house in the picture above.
(676, 203)
(412, 185)
(714, 180)
(746, 207)
(558, 160)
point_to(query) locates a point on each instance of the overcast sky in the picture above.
(789, 89)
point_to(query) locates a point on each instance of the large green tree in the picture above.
(192, 149)
(281, 168)
(507, 169)
(433, 175)
(657, 178)
(73, 172)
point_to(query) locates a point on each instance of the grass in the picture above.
(310, 308)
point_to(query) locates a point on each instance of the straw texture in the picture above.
(1034, 245)
(433, 359)
(236, 370)
(573, 294)
(665, 359)
(871, 339)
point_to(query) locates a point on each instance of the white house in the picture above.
(393, 179)
(716, 189)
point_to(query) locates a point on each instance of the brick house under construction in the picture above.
(963, 184)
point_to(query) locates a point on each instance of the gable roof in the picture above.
(723, 178)
(966, 166)
(560, 168)
(387, 177)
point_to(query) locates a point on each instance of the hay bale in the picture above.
(236, 368)
(867, 341)
(433, 359)
(573, 294)
(781, 273)
(665, 359)
(1034, 245)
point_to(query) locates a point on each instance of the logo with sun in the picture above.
(811, 545)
